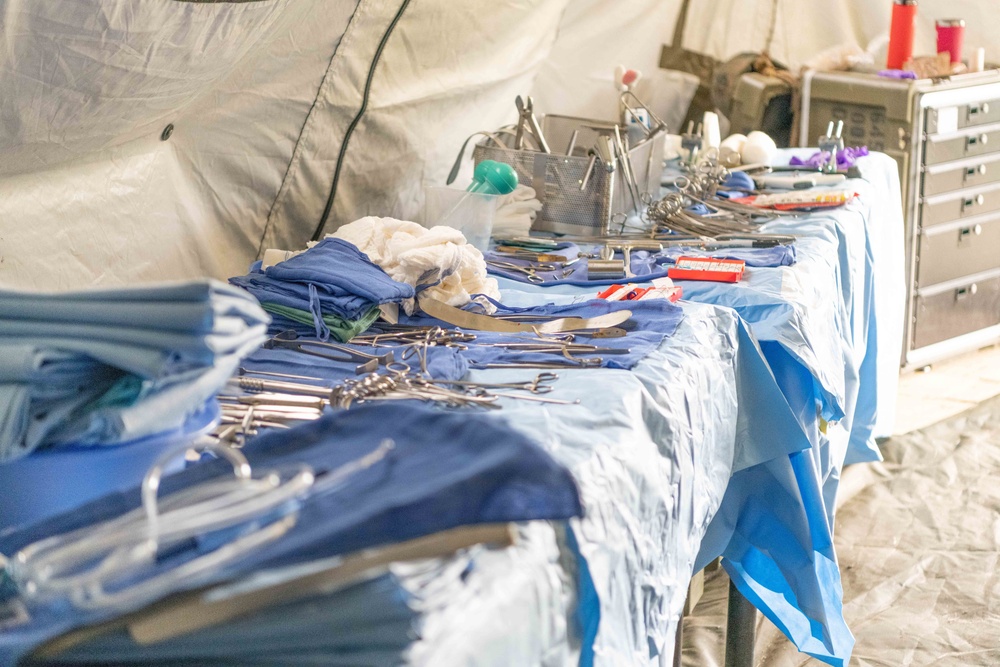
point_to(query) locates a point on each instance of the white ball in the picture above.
(759, 149)
(758, 136)
(734, 141)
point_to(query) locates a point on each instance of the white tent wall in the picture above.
(89, 194)
(260, 94)
(596, 35)
(448, 70)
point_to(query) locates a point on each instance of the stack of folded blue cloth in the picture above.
(108, 366)
(445, 470)
(331, 289)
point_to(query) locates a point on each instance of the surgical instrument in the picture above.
(289, 340)
(533, 266)
(260, 386)
(572, 142)
(536, 399)
(588, 171)
(284, 376)
(270, 399)
(660, 125)
(626, 162)
(538, 364)
(535, 386)
(530, 272)
(530, 243)
(526, 115)
(519, 253)
(475, 321)
(232, 407)
(422, 335)
(605, 148)
(600, 269)
(831, 144)
(627, 247)
(277, 411)
(691, 141)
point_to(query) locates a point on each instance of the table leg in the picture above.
(679, 642)
(741, 630)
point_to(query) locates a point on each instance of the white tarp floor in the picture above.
(919, 545)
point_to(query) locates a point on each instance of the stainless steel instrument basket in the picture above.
(602, 206)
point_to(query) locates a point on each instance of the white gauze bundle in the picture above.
(418, 256)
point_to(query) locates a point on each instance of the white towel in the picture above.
(418, 256)
(516, 212)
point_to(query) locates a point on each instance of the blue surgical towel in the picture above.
(332, 277)
(108, 366)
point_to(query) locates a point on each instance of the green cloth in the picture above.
(341, 329)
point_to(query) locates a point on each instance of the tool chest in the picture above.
(945, 136)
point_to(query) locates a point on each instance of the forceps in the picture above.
(289, 340)
(535, 386)
(529, 271)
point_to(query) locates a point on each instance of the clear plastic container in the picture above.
(471, 213)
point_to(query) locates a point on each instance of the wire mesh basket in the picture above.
(603, 205)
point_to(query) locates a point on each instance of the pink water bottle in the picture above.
(901, 31)
(950, 35)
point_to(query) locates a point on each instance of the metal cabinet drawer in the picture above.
(964, 115)
(953, 176)
(956, 309)
(958, 249)
(962, 144)
(949, 207)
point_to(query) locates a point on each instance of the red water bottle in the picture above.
(950, 35)
(901, 31)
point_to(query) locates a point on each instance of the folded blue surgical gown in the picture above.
(332, 277)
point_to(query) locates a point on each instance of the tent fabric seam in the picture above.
(296, 156)
(349, 132)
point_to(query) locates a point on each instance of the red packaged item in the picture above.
(662, 288)
(805, 200)
(707, 268)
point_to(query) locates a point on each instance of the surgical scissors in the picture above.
(530, 271)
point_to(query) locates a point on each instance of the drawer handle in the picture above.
(983, 108)
(981, 140)
(973, 171)
(966, 292)
(971, 202)
(968, 232)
